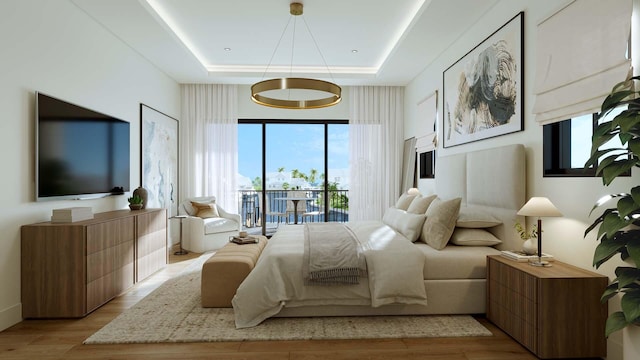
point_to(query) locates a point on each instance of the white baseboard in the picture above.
(10, 316)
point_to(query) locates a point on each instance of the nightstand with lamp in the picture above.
(555, 312)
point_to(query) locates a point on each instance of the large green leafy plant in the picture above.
(619, 230)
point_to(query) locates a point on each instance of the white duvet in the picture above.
(395, 275)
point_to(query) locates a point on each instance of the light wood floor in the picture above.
(62, 339)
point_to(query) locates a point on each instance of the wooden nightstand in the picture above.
(555, 312)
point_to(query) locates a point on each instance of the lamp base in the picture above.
(540, 263)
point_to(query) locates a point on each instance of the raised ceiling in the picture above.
(359, 42)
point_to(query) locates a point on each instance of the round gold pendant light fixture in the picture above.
(333, 91)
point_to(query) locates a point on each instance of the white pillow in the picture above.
(403, 222)
(420, 204)
(473, 237)
(475, 218)
(441, 220)
(404, 201)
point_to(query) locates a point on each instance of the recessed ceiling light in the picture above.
(354, 51)
(227, 49)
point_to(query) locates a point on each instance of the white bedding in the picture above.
(395, 275)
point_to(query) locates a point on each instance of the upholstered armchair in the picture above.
(207, 225)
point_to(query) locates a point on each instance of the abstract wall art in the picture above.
(482, 91)
(159, 159)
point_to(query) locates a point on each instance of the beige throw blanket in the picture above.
(332, 255)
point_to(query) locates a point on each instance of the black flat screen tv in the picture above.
(80, 153)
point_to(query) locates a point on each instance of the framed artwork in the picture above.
(482, 92)
(159, 159)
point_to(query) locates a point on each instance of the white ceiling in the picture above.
(187, 39)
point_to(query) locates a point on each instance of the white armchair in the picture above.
(200, 235)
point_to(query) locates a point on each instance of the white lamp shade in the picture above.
(540, 207)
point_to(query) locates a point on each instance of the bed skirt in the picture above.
(463, 296)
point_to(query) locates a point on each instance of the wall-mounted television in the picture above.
(80, 153)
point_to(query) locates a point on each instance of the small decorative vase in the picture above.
(142, 192)
(530, 247)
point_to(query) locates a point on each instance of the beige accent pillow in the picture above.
(473, 217)
(404, 201)
(420, 204)
(473, 237)
(407, 224)
(205, 210)
(441, 220)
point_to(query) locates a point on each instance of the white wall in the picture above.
(574, 197)
(54, 47)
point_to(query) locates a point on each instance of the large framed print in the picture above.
(159, 159)
(483, 91)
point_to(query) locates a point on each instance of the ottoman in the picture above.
(223, 272)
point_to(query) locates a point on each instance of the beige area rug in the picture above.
(172, 313)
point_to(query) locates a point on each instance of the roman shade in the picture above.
(581, 54)
(427, 114)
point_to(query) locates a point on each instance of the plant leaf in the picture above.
(626, 206)
(615, 322)
(635, 193)
(626, 276)
(595, 155)
(597, 141)
(606, 250)
(633, 246)
(611, 224)
(609, 292)
(617, 168)
(630, 304)
(634, 145)
(613, 100)
(627, 120)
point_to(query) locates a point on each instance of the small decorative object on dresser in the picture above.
(143, 194)
(135, 202)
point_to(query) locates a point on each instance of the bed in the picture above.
(440, 278)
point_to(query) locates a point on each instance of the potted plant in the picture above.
(135, 202)
(530, 245)
(619, 231)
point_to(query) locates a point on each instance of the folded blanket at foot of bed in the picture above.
(332, 255)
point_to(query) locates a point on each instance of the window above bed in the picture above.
(567, 145)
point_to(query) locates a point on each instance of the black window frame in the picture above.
(556, 149)
(427, 164)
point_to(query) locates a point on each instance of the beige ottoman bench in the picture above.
(223, 272)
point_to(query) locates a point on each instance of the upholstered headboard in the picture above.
(493, 180)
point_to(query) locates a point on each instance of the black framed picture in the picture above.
(483, 91)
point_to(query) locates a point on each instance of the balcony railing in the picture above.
(278, 210)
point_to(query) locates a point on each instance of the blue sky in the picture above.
(292, 146)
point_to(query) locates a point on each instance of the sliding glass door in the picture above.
(292, 172)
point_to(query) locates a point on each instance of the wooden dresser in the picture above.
(555, 312)
(71, 269)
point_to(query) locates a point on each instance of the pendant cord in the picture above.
(318, 48)
(276, 48)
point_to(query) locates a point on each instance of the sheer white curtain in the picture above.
(376, 141)
(209, 138)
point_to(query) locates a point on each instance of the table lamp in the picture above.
(539, 206)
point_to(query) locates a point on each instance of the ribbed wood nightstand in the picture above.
(555, 312)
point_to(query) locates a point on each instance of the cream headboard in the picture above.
(492, 179)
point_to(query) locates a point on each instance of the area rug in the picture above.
(172, 313)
